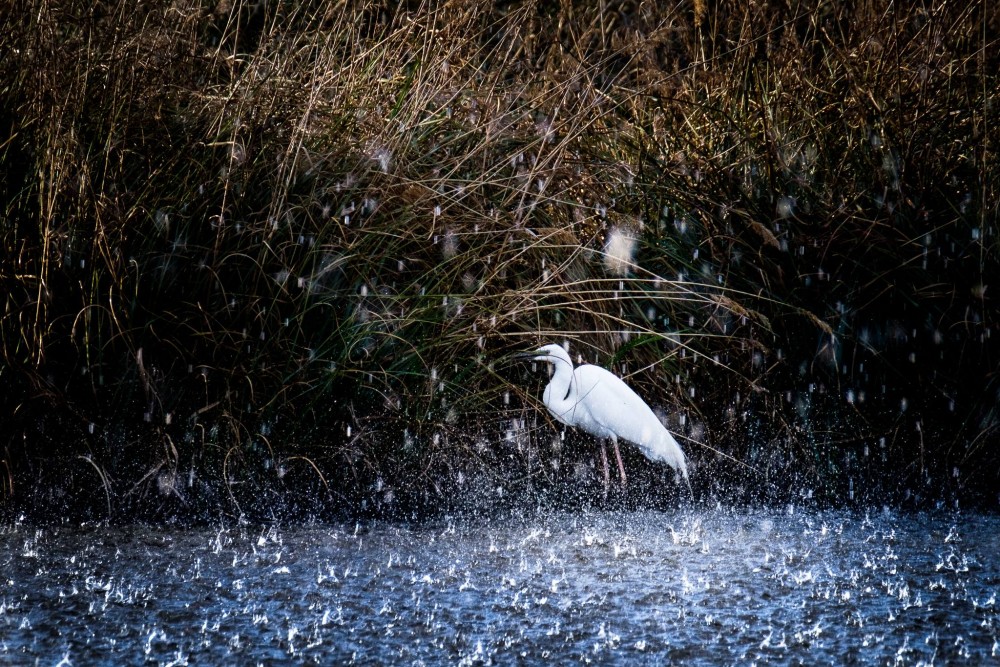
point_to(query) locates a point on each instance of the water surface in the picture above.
(708, 587)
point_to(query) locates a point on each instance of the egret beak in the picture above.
(534, 355)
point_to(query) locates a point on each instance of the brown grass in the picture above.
(255, 250)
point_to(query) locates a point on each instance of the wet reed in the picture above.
(266, 258)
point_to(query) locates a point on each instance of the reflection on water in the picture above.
(713, 587)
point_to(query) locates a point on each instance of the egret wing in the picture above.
(611, 408)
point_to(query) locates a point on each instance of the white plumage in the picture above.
(597, 401)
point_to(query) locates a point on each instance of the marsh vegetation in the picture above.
(268, 258)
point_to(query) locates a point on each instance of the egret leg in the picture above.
(621, 466)
(604, 466)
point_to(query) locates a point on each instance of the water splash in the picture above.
(619, 251)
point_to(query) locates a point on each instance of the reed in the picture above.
(274, 257)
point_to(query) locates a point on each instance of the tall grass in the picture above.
(264, 255)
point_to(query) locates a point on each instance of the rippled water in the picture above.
(713, 587)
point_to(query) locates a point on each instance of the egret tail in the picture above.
(664, 448)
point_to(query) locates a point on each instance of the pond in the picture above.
(690, 586)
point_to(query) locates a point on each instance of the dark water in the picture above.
(713, 587)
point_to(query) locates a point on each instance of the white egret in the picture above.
(600, 403)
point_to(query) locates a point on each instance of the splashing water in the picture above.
(692, 587)
(619, 251)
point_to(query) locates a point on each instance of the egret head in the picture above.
(551, 353)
